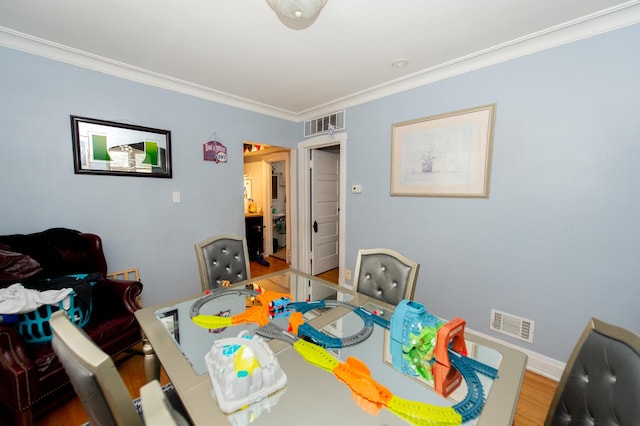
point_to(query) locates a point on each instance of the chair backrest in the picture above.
(385, 275)
(157, 409)
(601, 381)
(93, 375)
(222, 257)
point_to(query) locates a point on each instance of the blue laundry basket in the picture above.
(34, 326)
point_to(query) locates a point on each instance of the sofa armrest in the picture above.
(17, 373)
(117, 295)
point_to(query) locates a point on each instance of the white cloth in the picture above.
(16, 299)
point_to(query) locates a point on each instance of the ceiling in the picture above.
(237, 52)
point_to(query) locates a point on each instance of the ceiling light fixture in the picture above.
(399, 63)
(297, 14)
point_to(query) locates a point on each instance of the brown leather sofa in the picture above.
(32, 380)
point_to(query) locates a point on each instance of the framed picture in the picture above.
(108, 148)
(447, 155)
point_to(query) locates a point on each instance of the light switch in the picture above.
(175, 197)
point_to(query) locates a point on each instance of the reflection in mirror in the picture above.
(170, 321)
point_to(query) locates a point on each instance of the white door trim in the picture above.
(304, 204)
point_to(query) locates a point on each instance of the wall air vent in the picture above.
(333, 122)
(511, 325)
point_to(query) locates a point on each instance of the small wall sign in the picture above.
(214, 151)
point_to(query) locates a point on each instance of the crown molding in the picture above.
(59, 52)
(604, 21)
(607, 20)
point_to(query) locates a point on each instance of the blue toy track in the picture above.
(304, 330)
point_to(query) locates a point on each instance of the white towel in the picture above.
(16, 299)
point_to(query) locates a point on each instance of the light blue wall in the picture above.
(558, 239)
(136, 218)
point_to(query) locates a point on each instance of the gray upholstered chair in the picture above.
(156, 407)
(601, 383)
(96, 379)
(385, 275)
(222, 257)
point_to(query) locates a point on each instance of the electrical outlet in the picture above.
(356, 189)
(347, 274)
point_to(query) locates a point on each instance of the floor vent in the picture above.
(511, 325)
(333, 122)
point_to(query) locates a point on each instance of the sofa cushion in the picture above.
(58, 250)
(16, 266)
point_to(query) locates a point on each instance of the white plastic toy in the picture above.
(243, 370)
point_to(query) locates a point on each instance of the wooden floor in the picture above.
(535, 399)
(275, 265)
(533, 404)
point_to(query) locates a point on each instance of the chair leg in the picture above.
(151, 363)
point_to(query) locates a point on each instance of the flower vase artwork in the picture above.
(427, 155)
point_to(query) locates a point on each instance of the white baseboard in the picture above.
(537, 363)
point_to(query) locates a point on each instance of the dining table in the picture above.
(312, 394)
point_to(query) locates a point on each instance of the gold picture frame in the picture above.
(446, 155)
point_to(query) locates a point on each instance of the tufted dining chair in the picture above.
(600, 384)
(222, 257)
(97, 382)
(385, 274)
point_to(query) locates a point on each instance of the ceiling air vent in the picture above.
(511, 325)
(333, 122)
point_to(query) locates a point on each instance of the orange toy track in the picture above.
(259, 313)
(295, 320)
(355, 374)
(372, 396)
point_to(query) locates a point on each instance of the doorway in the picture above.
(311, 239)
(325, 207)
(268, 170)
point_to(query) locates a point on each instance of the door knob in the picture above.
(315, 226)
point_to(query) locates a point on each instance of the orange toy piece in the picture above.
(453, 330)
(445, 379)
(295, 320)
(259, 313)
(355, 374)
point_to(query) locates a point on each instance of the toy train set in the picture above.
(420, 344)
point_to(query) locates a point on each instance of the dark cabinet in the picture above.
(254, 229)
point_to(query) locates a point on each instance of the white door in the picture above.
(325, 202)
